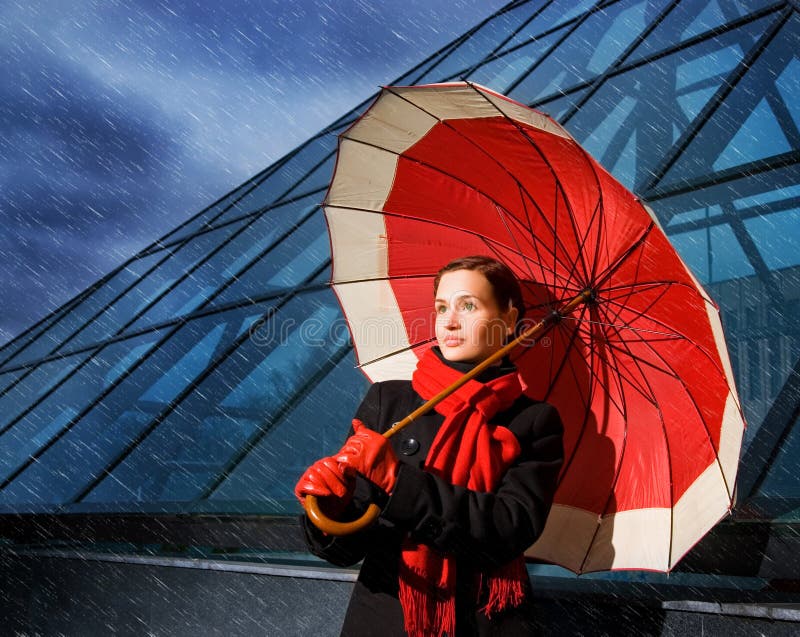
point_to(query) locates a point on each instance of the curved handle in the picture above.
(332, 527)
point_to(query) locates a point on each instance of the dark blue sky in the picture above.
(120, 119)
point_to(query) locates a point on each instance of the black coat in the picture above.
(483, 530)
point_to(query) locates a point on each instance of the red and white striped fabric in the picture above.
(640, 374)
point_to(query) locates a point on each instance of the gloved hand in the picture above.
(370, 454)
(326, 479)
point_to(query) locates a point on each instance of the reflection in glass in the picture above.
(606, 34)
(98, 437)
(54, 413)
(268, 373)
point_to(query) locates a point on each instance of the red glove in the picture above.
(370, 454)
(325, 478)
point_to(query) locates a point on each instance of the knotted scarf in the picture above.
(468, 452)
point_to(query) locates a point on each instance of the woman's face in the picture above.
(469, 324)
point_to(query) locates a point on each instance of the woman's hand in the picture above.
(369, 453)
(325, 479)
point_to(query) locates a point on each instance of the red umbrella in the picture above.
(636, 364)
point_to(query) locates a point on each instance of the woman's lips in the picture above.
(452, 342)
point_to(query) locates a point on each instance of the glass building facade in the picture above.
(204, 374)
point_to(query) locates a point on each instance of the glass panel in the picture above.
(745, 127)
(289, 264)
(783, 479)
(777, 237)
(114, 423)
(500, 73)
(698, 214)
(22, 340)
(412, 77)
(136, 300)
(8, 378)
(268, 473)
(317, 181)
(712, 253)
(208, 216)
(556, 13)
(52, 414)
(87, 309)
(203, 282)
(689, 19)
(558, 108)
(34, 385)
(479, 45)
(635, 116)
(257, 383)
(606, 34)
(279, 182)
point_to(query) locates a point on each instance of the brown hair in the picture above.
(505, 285)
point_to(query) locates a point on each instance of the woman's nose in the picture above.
(449, 319)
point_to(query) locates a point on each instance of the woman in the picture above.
(464, 489)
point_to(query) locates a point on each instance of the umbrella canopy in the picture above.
(639, 372)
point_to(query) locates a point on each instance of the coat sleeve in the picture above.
(487, 528)
(348, 549)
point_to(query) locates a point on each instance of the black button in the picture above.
(409, 447)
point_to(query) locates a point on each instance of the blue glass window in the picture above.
(49, 418)
(554, 14)
(713, 254)
(9, 349)
(8, 378)
(777, 237)
(689, 19)
(606, 34)
(316, 181)
(34, 385)
(637, 113)
(103, 433)
(268, 373)
(478, 46)
(268, 473)
(209, 215)
(558, 108)
(748, 125)
(500, 73)
(783, 479)
(87, 309)
(196, 289)
(150, 288)
(278, 183)
(288, 265)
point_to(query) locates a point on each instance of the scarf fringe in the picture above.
(438, 617)
(506, 587)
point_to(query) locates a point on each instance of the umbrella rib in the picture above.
(693, 401)
(491, 156)
(535, 146)
(593, 339)
(457, 179)
(397, 351)
(529, 227)
(432, 222)
(710, 440)
(621, 259)
(680, 335)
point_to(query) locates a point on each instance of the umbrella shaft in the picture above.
(533, 332)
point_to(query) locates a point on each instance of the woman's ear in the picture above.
(511, 319)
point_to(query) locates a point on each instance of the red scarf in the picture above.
(467, 452)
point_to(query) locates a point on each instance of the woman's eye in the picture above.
(469, 306)
(441, 309)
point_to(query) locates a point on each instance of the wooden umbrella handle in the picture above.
(332, 527)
